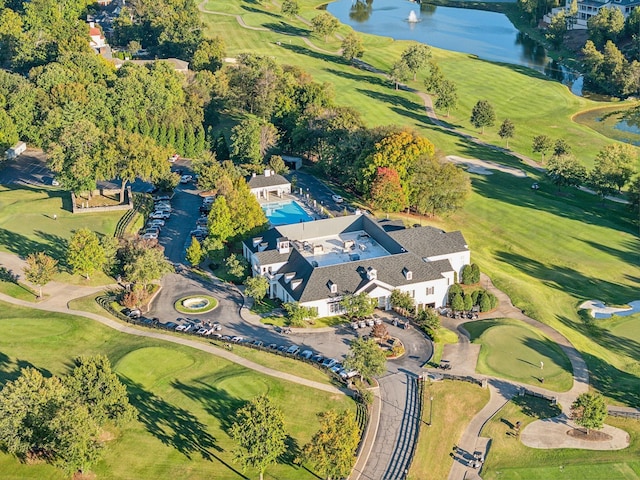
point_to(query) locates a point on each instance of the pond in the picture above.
(489, 35)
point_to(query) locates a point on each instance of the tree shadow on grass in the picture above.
(11, 370)
(217, 402)
(287, 29)
(20, 244)
(174, 426)
(361, 77)
(536, 407)
(57, 245)
(300, 50)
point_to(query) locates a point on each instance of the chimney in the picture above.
(92, 24)
(283, 245)
(267, 172)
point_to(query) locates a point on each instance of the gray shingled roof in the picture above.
(429, 242)
(273, 180)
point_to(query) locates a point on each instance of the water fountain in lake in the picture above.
(413, 18)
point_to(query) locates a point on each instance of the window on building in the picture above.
(430, 290)
(335, 308)
(413, 294)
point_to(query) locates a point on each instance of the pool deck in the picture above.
(314, 212)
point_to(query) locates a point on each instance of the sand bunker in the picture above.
(484, 167)
(600, 310)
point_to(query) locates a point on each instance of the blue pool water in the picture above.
(285, 213)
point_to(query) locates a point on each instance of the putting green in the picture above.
(513, 350)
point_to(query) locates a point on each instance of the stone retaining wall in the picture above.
(127, 205)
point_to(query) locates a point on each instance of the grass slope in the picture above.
(186, 400)
(511, 349)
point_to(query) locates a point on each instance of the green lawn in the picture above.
(186, 400)
(511, 349)
(454, 405)
(511, 460)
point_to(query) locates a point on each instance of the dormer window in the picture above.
(295, 283)
(257, 241)
(289, 276)
(263, 246)
(372, 273)
(333, 287)
(283, 245)
(408, 274)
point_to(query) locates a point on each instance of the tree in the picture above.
(352, 47)
(94, 385)
(366, 357)
(290, 8)
(149, 265)
(245, 141)
(402, 300)
(467, 275)
(40, 269)
(434, 80)
(438, 188)
(541, 144)
(416, 57)
(324, 24)
(386, 191)
(209, 55)
(8, 131)
(561, 147)
(446, 96)
(276, 163)
(236, 266)
(256, 287)
(482, 115)
(260, 434)
(457, 303)
(399, 73)
(617, 163)
(220, 225)
(299, 315)
(566, 171)
(507, 130)
(194, 252)
(634, 195)
(428, 319)
(589, 411)
(605, 26)
(358, 306)
(85, 253)
(332, 448)
(557, 29)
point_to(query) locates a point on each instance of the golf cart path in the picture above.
(548, 433)
(58, 296)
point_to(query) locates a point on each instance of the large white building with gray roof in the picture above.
(317, 263)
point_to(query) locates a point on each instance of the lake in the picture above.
(489, 35)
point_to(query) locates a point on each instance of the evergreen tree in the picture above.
(200, 143)
(180, 139)
(190, 143)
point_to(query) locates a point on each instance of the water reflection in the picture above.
(489, 35)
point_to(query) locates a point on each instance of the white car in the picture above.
(337, 198)
(174, 157)
(163, 208)
(186, 178)
(150, 236)
(160, 215)
(156, 222)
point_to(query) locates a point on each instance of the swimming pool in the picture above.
(285, 213)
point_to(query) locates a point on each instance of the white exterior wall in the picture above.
(457, 260)
(440, 288)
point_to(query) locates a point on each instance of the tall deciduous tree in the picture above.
(507, 130)
(561, 147)
(358, 306)
(386, 191)
(332, 449)
(85, 253)
(352, 47)
(220, 224)
(366, 357)
(416, 57)
(566, 171)
(40, 269)
(246, 144)
(541, 144)
(194, 253)
(149, 265)
(256, 287)
(482, 115)
(399, 73)
(93, 384)
(8, 131)
(589, 411)
(434, 80)
(290, 8)
(324, 24)
(617, 163)
(260, 434)
(634, 195)
(438, 188)
(209, 55)
(557, 30)
(446, 96)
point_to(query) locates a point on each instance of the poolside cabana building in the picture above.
(269, 183)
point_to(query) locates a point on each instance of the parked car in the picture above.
(336, 367)
(161, 198)
(202, 331)
(329, 362)
(169, 325)
(346, 374)
(155, 230)
(216, 326)
(180, 328)
(150, 236)
(362, 324)
(188, 327)
(174, 157)
(293, 349)
(272, 346)
(337, 198)
(369, 322)
(306, 354)
(163, 208)
(186, 178)
(258, 343)
(237, 339)
(208, 199)
(354, 325)
(160, 215)
(155, 222)
(317, 358)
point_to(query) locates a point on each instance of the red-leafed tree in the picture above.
(386, 191)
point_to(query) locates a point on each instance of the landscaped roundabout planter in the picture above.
(194, 304)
